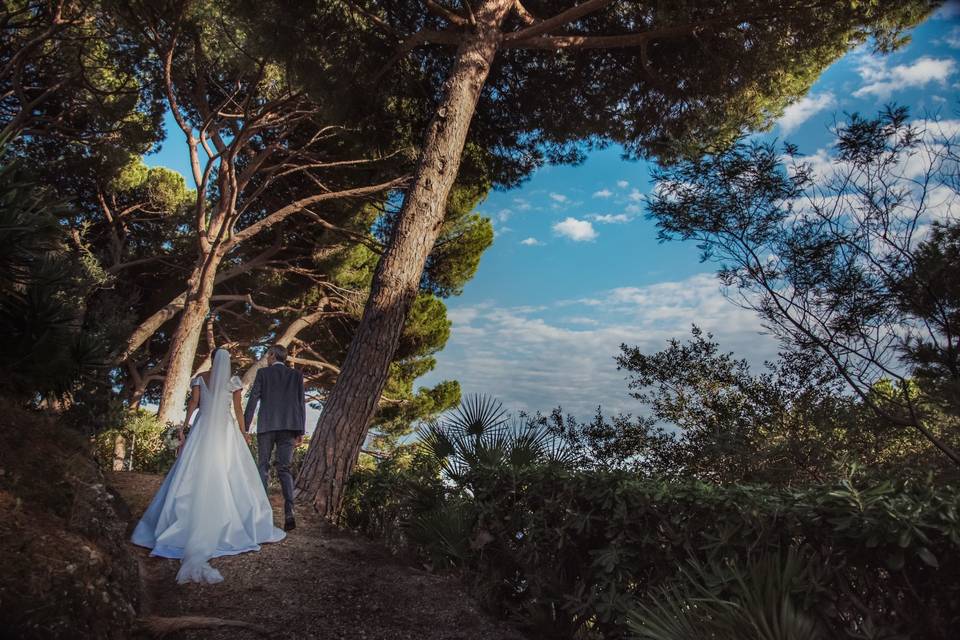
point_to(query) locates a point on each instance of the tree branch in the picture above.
(284, 212)
(438, 9)
(564, 17)
(525, 16)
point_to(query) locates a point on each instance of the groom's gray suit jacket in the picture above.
(279, 390)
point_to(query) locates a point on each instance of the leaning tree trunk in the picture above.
(183, 344)
(347, 413)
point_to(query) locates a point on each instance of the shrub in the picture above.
(384, 499)
(583, 548)
(147, 444)
(590, 553)
(768, 599)
(597, 553)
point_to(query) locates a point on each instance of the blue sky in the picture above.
(576, 270)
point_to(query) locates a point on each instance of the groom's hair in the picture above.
(279, 352)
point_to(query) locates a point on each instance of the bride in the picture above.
(212, 502)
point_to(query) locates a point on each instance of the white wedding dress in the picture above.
(212, 502)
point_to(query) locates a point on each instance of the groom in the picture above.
(280, 422)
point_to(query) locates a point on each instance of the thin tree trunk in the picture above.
(347, 413)
(152, 324)
(119, 452)
(136, 395)
(183, 344)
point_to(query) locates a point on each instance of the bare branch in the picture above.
(376, 20)
(563, 18)
(525, 16)
(294, 207)
(438, 9)
(419, 39)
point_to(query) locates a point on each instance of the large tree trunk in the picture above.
(347, 413)
(183, 344)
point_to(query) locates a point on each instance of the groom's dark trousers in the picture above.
(285, 441)
(278, 390)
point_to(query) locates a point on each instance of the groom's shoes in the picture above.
(289, 524)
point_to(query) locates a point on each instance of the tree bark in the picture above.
(183, 344)
(347, 413)
(152, 324)
(119, 452)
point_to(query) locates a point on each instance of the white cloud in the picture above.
(881, 81)
(463, 315)
(499, 231)
(522, 204)
(531, 358)
(504, 214)
(799, 112)
(950, 10)
(558, 197)
(952, 39)
(623, 184)
(632, 208)
(825, 165)
(585, 320)
(576, 230)
(531, 242)
(603, 193)
(636, 196)
(933, 129)
(619, 218)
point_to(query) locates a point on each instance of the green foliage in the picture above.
(152, 189)
(46, 348)
(768, 599)
(577, 554)
(148, 445)
(463, 239)
(78, 83)
(931, 290)
(729, 66)
(132, 226)
(793, 423)
(479, 435)
(397, 419)
(420, 496)
(382, 498)
(835, 262)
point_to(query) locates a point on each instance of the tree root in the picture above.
(159, 627)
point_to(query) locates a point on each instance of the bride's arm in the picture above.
(191, 407)
(238, 411)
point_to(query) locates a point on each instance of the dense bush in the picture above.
(383, 498)
(587, 554)
(146, 443)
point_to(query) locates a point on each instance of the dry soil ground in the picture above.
(318, 583)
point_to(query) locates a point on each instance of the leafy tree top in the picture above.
(662, 79)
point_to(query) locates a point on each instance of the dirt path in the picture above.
(318, 583)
